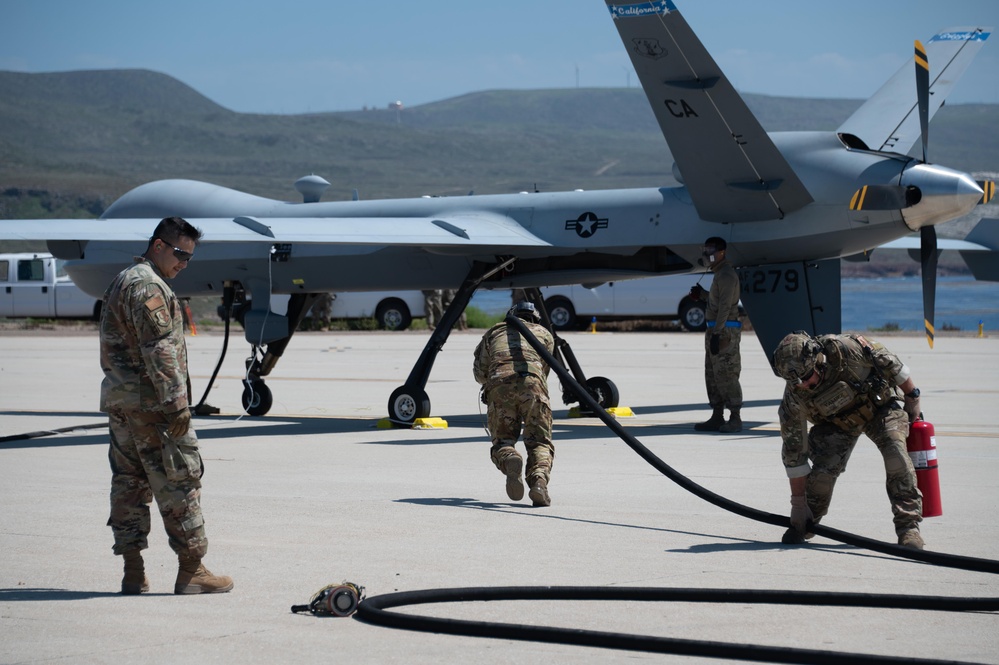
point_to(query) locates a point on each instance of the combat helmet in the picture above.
(526, 310)
(796, 356)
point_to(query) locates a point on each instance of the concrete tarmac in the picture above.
(315, 493)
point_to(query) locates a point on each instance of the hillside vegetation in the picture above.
(72, 142)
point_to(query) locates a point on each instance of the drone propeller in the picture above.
(928, 234)
(923, 95)
(899, 197)
(928, 255)
(988, 190)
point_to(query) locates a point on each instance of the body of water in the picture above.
(960, 304)
(869, 304)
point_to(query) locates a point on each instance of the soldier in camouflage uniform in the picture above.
(722, 360)
(514, 379)
(845, 385)
(146, 394)
(433, 306)
(322, 310)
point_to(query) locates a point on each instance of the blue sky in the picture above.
(328, 55)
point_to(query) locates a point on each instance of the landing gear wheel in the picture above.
(604, 391)
(405, 405)
(257, 399)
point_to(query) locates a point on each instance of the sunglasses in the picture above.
(181, 255)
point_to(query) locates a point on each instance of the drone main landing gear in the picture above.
(601, 389)
(410, 401)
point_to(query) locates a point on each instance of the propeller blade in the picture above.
(988, 190)
(884, 197)
(928, 255)
(923, 93)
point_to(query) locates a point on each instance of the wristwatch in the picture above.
(914, 394)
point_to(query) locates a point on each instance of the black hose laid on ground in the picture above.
(936, 558)
(50, 432)
(375, 610)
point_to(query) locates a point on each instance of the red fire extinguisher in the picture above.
(922, 447)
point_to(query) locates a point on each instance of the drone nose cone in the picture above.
(944, 194)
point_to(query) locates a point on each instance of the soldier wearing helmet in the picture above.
(845, 385)
(514, 379)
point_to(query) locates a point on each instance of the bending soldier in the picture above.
(846, 386)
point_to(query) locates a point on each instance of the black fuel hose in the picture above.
(227, 304)
(374, 610)
(936, 558)
(49, 432)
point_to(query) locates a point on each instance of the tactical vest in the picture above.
(855, 391)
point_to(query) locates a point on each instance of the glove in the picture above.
(912, 409)
(178, 423)
(801, 514)
(484, 396)
(715, 344)
(697, 292)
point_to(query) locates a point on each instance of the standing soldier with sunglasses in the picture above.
(845, 385)
(146, 393)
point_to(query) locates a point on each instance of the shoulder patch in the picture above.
(158, 313)
(155, 303)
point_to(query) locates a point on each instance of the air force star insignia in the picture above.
(586, 224)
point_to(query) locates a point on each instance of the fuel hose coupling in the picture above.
(339, 600)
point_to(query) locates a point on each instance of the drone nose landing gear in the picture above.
(257, 399)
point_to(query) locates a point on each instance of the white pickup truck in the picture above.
(35, 285)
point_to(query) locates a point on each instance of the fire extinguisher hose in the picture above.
(375, 609)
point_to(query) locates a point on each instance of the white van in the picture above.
(393, 310)
(570, 307)
(663, 297)
(36, 285)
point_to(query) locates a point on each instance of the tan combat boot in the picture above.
(193, 577)
(511, 464)
(512, 467)
(539, 492)
(135, 581)
(911, 539)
